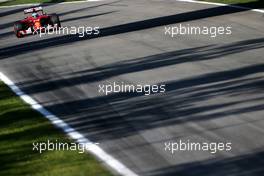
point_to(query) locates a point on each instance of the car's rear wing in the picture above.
(31, 10)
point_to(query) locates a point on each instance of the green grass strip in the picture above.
(20, 127)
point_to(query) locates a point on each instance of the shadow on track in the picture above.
(185, 100)
(87, 16)
(244, 165)
(119, 29)
(20, 10)
(143, 64)
(2, 35)
(254, 4)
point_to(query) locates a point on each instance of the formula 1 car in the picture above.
(37, 20)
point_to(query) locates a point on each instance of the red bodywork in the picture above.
(34, 22)
(31, 24)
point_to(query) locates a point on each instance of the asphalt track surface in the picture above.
(214, 86)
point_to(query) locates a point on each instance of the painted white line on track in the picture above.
(71, 132)
(37, 4)
(191, 1)
(221, 4)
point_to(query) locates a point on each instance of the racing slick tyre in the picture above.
(44, 22)
(54, 18)
(18, 26)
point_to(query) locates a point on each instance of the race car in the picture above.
(35, 20)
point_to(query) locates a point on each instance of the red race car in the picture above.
(37, 20)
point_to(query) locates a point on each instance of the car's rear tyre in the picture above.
(55, 20)
(18, 26)
(44, 22)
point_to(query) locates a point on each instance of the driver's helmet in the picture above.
(34, 15)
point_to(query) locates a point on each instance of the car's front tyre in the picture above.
(18, 27)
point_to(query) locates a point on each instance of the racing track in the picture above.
(214, 87)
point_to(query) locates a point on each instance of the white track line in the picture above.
(221, 4)
(37, 4)
(93, 148)
(191, 1)
(71, 132)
